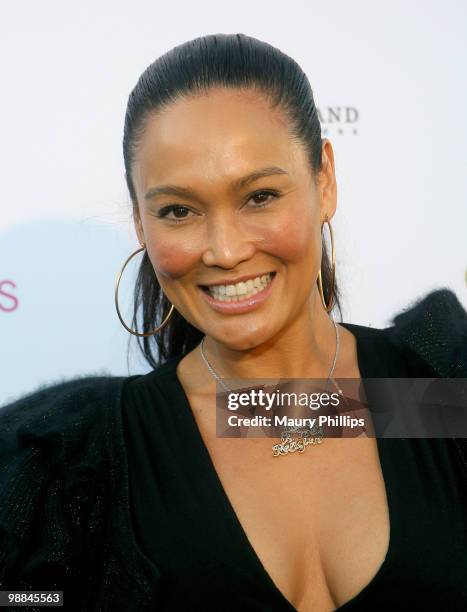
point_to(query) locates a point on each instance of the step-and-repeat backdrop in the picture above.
(388, 79)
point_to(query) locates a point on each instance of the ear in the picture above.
(138, 226)
(327, 186)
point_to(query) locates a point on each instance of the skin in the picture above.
(205, 142)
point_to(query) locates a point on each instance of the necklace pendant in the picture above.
(290, 444)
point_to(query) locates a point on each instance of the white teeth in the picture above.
(242, 290)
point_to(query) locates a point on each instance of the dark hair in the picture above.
(227, 60)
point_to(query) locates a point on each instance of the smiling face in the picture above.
(225, 195)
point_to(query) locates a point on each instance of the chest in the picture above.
(317, 521)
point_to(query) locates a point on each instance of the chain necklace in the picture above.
(287, 444)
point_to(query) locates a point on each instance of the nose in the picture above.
(227, 242)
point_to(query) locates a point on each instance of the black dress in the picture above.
(185, 523)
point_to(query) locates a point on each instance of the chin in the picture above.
(245, 345)
(243, 341)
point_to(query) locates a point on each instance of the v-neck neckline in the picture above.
(365, 368)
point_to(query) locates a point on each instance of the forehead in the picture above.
(215, 136)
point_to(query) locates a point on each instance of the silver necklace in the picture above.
(287, 443)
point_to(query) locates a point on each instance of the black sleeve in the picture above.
(49, 472)
(433, 333)
(434, 329)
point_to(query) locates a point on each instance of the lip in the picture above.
(245, 305)
(240, 279)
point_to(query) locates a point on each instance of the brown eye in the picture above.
(176, 211)
(262, 198)
(179, 212)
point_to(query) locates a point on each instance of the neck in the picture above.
(303, 349)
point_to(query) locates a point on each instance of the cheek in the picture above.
(293, 239)
(172, 258)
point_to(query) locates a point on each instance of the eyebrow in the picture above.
(236, 184)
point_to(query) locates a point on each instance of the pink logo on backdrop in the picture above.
(8, 302)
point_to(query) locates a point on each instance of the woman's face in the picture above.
(224, 192)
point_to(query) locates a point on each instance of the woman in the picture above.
(118, 491)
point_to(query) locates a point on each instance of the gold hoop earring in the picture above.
(329, 306)
(117, 284)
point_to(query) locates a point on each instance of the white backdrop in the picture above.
(65, 226)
